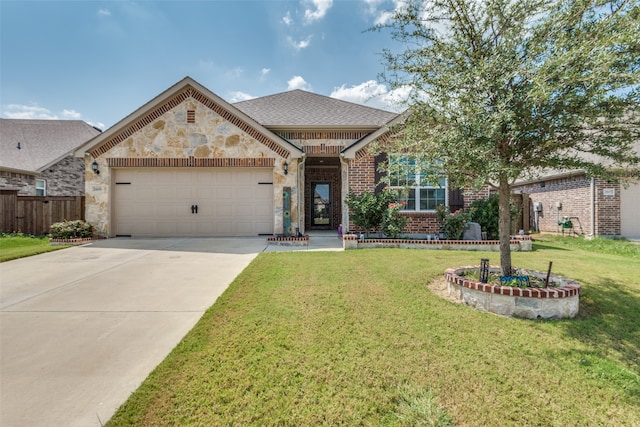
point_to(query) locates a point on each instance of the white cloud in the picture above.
(238, 96)
(299, 45)
(265, 71)
(98, 125)
(373, 94)
(297, 82)
(71, 114)
(16, 111)
(104, 12)
(287, 19)
(382, 17)
(35, 112)
(318, 10)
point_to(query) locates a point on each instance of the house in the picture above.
(36, 156)
(595, 207)
(188, 163)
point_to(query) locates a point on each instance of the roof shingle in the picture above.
(40, 142)
(298, 108)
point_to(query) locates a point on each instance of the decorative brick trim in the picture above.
(177, 100)
(288, 238)
(310, 135)
(322, 149)
(569, 287)
(179, 162)
(382, 139)
(74, 242)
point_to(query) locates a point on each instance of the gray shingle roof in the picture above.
(298, 108)
(42, 142)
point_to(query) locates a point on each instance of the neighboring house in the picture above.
(596, 207)
(36, 156)
(188, 163)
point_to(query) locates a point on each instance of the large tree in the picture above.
(503, 89)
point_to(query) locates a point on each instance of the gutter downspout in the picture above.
(593, 207)
(300, 172)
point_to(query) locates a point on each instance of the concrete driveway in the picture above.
(81, 328)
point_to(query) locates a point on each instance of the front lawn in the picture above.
(14, 246)
(357, 338)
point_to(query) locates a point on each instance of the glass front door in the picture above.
(321, 202)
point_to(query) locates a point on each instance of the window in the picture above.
(41, 187)
(412, 178)
(191, 116)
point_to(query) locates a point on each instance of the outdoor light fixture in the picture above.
(94, 168)
(286, 168)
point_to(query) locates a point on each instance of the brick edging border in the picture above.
(569, 287)
(74, 242)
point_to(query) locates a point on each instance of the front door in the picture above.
(321, 204)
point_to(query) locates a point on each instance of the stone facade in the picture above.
(170, 139)
(64, 178)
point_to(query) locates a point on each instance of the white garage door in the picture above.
(629, 211)
(167, 202)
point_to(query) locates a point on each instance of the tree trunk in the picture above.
(504, 226)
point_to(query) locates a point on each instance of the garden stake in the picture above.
(484, 270)
(546, 281)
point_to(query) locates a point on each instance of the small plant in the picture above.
(451, 224)
(71, 230)
(393, 223)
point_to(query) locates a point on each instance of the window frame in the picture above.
(41, 188)
(415, 177)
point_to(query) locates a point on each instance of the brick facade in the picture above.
(362, 177)
(571, 196)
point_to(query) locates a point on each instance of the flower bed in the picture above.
(518, 243)
(560, 300)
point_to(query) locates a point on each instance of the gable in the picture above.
(186, 90)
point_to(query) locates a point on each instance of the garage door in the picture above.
(629, 208)
(167, 202)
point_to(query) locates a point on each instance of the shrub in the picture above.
(451, 224)
(485, 213)
(368, 210)
(392, 222)
(71, 230)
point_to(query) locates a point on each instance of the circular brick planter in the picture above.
(559, 302)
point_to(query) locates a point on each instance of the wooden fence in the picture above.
(34, 215)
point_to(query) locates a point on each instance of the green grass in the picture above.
(356, 338)
(14, 246)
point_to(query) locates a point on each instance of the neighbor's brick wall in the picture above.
(575, 195)
(607, 209)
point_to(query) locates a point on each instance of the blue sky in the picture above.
(98, 61)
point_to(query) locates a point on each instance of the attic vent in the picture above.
(191, 116)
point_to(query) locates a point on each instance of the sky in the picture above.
(99, 61)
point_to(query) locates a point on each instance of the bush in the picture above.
(71, 230)
(451, 224)
(369, 210)
(485, 213)
(392, 222)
